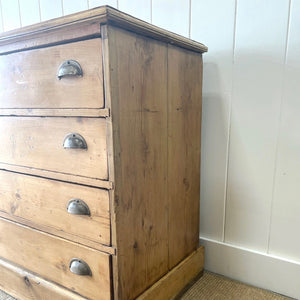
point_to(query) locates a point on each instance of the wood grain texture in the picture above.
(62, 234)
(184, 139)
(44, 202)
(56, 112)
(110, 150)
(176, 280)
(38, 143)
(155, 98)
(139, 119)
(48, 37)
(22, 284)
(87, 23)
(145, 152)
(31, 81)
(94, 182)
(49, 256)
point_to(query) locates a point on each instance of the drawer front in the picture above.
(39, 143)
(50, 257)
(29, 78)
(45, 202)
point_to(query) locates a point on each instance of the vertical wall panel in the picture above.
(30, 12)
(215, 28)
(139, 8)
(10, 14)
(261, 29)
(284, 240)
(1, 21)
(72, 6)
(171, 15)
(50, 9)
(95, 3)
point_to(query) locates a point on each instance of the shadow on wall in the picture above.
(256, 96)
(215, 116)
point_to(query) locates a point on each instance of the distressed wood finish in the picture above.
(44, 202)
(110, 151)
(184, 141)
(26, 286)
(31, 81)
(139, 114)
(86, 24)
(49, 256)
(177, 279)
(38, 143)
(47, 37)
(94, 182)
(141, 119)
(62, 234)
(54, 112)
(155, 98)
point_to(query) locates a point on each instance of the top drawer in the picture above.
(29, 78)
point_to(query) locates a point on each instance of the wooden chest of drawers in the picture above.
(100, 117)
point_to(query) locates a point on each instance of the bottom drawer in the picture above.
(24, 285)
(50, 257)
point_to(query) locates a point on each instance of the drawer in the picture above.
(50, 257)
(38, 143)
(29, 78)
(47, 202)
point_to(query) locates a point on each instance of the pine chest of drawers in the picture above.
(100, 117)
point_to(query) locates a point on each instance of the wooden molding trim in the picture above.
(126, 21)
(53, 112)
(177, 279)
(58, 176)
(88, 19)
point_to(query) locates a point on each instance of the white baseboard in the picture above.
(259, 269)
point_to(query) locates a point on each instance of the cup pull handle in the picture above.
(78, 207)
(69, 68)
(74, 141)
(79, 267)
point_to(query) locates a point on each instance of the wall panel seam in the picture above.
(190, 17)
(20, 18)
(279, 126)
(151, 11)
(62, 7)
(1, 11)
(39, 2)
(229, 126)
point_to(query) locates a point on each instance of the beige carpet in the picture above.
(4, 296)
(214, 287)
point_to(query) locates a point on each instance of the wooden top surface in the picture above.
(101, 15)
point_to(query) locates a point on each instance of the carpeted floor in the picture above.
(215, 287)
(4, 296)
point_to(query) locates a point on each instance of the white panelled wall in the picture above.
(250, 185)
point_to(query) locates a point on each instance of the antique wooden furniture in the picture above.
(100, 117)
